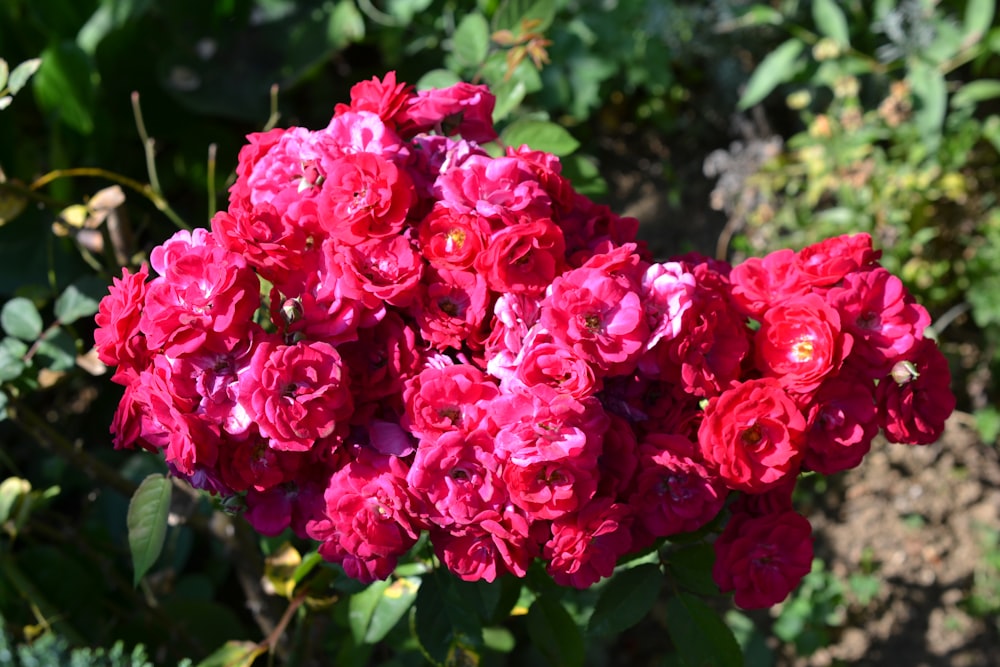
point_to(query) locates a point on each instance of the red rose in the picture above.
(763, 558)
(800, 343)
(752, 435)
(916, 400)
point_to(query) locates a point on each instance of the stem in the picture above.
(212, 150)
(146, 191)
(272, 120)
(147, 143)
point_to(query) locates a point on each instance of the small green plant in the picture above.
(806, 618)
(898, 140)
(984, 599)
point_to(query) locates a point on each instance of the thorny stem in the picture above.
(147, 144)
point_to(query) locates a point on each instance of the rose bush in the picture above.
(396, 329)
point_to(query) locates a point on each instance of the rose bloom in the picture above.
(548, 172)
(271, 243)
(451, 306)
(364, 196)
(451, 398)
(450, 239)
(379, 270)
(523, 257)
(916, 399)
(117, 337)
(545, 362)
(386, 98)
(455, 477)
(500, 189)
(501, 543)
(800, 343)
(205, 296)
(547, 489)
(360, 132)
(598, 318)
(463, 109)
(673, 492)
(752, 435)
(367, 507)
(842, 423)
(878, 311)
(297, 393)
(585, 546)
(540, 426)
(824, 264)
(667, 292)
(282, 168)
(763, 558)
(708, 356)
(761, 282)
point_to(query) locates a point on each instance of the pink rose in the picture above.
(297, 394)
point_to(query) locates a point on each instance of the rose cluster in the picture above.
(393, 330)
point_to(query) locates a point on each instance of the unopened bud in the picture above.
(903, 372)
(291, 311)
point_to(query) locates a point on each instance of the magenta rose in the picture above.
(297, 394)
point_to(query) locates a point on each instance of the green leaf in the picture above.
(21, 319)
(554, 632)
(978, 18)
(974, 92)
(512, 14)
(778, 67)
(541, 135)
(626, 599)
(930, 90)
(375, 611)
(81, 299)
(443, 621)
(691, 566)
(395, 600)
(437, 78)
(21, 74)
(831, 22)
(4, 72)
(12, 353)
(234, 654)
(471, 41)
(64, 85)
(346, 25)
(509, 95)
(700, 635)
(147, 522)
(361, 607)
(59, 347)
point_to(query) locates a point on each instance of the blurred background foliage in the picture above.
(765, 124)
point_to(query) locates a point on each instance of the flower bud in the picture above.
(903, 372)
(291, 311)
